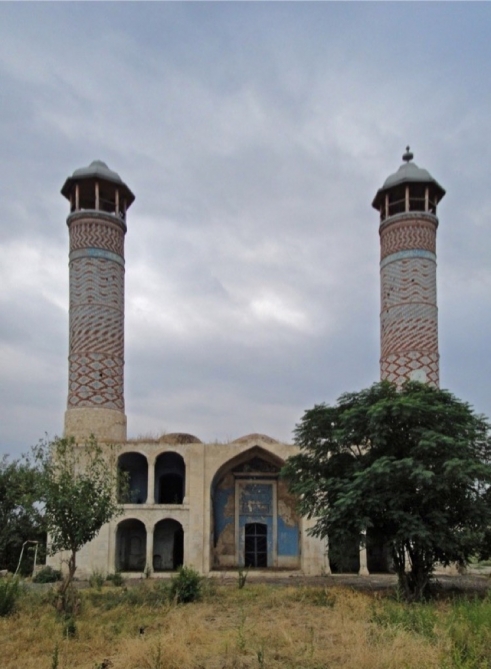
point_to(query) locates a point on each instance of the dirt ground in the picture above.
(467, 583)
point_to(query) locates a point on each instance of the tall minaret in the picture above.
(99, 200)
(407, 204)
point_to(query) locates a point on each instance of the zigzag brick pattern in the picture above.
(97, 234)
(407, 280)
(96, 359)
(408, 234)
(409, 315)
(96, 281)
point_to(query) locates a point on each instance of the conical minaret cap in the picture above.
(408, 173)
(100, 171)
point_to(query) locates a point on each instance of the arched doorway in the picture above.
(131, 545)
(170, 479)
(134, 470)
(168, 545)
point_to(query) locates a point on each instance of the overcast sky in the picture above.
(254, 137)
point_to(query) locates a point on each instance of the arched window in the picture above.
(168, 545)
(170, 479)
(131, 546)
(133, 468)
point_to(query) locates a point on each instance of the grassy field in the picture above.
(292, 627)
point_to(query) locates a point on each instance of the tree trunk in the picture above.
(413, 574)
(66, 602)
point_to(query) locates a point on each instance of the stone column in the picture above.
(149, 560)
(363, 571)
(151, 482)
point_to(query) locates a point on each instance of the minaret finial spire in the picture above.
(408, 156)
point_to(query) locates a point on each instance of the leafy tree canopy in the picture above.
(21, 517)
(413, 464)
(79, 494)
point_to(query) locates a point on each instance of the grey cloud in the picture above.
(254, 137)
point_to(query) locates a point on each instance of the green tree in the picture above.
(414, 464)
(80, 496)
(21, 517)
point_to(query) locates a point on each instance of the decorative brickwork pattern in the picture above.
(409, 316)
(408, 234)
(96, 281)
(98, 233)
(397, 368)
(96, 381)
(96, 360)
(407, 280)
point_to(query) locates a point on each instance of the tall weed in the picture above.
(468, 628)
(414, 618)
(9, 593)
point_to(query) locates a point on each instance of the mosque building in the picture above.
(220, 506)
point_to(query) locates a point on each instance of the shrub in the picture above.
(116, 579)
(97, 579)
(47, 575)
(9, 593)
(186, 586)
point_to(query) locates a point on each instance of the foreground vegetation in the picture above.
(409, 466)
(292, 627)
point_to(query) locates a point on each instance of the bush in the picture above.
(116, 579)
(9, 593)
(186, 586)
(47, 575)
(97, 579)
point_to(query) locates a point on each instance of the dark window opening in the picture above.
(256, 545)
(131, 546)
(168, 546)
(171, 489)
(133, 478)
(170, 479)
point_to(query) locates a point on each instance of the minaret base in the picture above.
(107, 425)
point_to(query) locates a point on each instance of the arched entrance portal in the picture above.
(254, 519)
(131, 545)
(168, 545)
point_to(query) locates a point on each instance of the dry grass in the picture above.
(258, 626)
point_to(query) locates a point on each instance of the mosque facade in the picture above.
(220, 506)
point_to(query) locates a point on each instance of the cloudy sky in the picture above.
(254, 136)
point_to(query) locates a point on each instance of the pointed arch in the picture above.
(251, 507)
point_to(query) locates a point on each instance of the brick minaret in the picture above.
(97, 226)
(407, 204)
